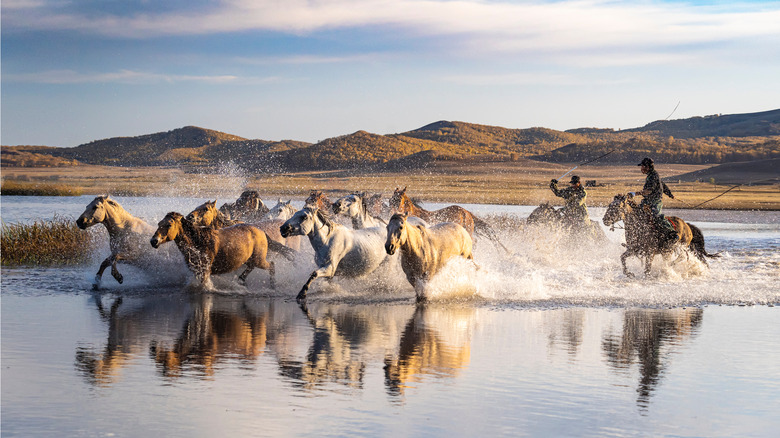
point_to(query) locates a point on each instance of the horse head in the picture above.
(167, 229)
(319, 200)
(282, 210)
(96, 212)
(301, 223)
(617, 210)
(396, 232)
(398, 198)
(351, 205)
(205, 214)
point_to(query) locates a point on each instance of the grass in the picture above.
(20, 188)
(54, 242)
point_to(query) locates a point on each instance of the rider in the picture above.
(575, 211)
(652, 200)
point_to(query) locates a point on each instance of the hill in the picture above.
(697, 140)
(749, 172)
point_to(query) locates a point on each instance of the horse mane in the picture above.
(325, 218)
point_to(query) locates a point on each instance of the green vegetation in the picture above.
(18, 188)
(52, 242)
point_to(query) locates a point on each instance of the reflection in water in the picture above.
(435, 342)
(647, 338)
(101, 368)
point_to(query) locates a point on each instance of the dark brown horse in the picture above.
(320, 200)
(547, 215)
(401, 203)
(643, 240)
(247, 208)
(208, 251)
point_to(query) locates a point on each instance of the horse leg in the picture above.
(96, 282)
(623, 258)
(242, 277)
(114, 271)
(302, 294)
(648, 263)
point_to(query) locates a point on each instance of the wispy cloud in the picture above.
(124, 77)
(474, 25)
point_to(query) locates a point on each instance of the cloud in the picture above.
(124, 77)
(476, 24)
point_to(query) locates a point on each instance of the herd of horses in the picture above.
(215, 241)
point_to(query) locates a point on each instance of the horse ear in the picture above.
(406, 215)
(404, 190)
(214, 203)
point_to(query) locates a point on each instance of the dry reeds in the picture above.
(53, 242)
(18, 188)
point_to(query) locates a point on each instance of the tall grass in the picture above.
(19, 188)
(53, 242)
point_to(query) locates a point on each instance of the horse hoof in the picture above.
(630, 275)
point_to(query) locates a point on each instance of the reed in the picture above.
(19, 188)
(54, 242)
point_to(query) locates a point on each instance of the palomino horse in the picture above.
(355, 207)
(401, 203)
(424, 251)
(207, 215)
(247, 208)
(208, 251)
(643, 240)
(337, 249)
(127, 238)
(282, 210)
(546, 214)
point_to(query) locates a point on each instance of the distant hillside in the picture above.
(711, 139)
(757, 172)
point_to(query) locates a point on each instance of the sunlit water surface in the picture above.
(550, 340)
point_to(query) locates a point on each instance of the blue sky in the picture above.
(82, 70)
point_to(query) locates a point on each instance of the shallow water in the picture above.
(548, 341)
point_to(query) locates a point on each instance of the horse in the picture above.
(424, 250)
(282, 210)
(401, 203)
(355, 206)
(319, 199)
(127, 236)
(207, 215)
(208, 251)
(247, 208)
(337, 249)
(546, 214)
(643, 240)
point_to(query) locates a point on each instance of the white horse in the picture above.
(337, 249)
(128, 238)
(425, 250)
(282, 210)
(354, 206)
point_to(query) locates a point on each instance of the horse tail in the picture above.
(484, 229)
(278, 248)
(697, 244)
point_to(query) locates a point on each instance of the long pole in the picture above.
(587, 162)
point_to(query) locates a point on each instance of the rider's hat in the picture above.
(574, 180)
(646, 162)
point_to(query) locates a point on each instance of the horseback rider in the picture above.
(574, 211)
(652, 201)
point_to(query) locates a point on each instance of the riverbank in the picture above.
(509, 183)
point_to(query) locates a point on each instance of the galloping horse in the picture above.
(207, 215)
(337, 249)
(355, 207)
(127, 238)
(546, 214)
(282, 210)
(318, 199)
(643, 240)
(424, 251)
(247, 208)
(401, 203)
(208, 251)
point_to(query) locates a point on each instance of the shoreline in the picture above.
(486, 183)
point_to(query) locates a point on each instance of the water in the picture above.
(550, 341)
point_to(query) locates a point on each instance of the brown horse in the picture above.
(643, 240)
(207, 215)
(208, 251)
(401, 203)
(546, 214)
(319, 199)
(247, 208)
(424, 250)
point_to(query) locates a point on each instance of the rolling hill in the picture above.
(710, 139)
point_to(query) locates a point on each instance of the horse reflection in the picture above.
(647, 338)
(212, 334)
(435, 342)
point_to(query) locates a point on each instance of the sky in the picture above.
(74, 71)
